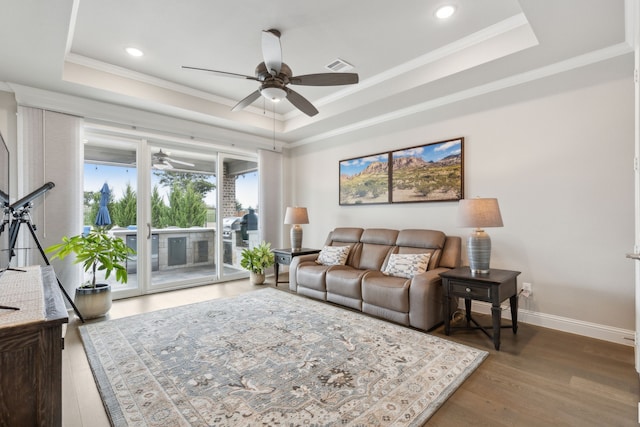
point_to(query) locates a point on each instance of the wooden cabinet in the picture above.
(31, 345)
(493, 287)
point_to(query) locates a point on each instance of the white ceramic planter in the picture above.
(93, 302)
(256, 278)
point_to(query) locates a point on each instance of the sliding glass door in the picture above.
(164, 200)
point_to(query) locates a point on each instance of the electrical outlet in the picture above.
(527, 290)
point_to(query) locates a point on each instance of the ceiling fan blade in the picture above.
(180, 162)
(222, 73)
(161, 164)
(325, 79)
(272, 51)
(247, 101)
(301, 103)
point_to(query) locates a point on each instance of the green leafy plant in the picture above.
(258, 258)
(97, 251)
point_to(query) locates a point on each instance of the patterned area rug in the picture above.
(270, 358)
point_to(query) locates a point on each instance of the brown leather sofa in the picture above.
(361, 284)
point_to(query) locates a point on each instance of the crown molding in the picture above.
(518, 79)
(103, 112)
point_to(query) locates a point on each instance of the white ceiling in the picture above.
(407, 60)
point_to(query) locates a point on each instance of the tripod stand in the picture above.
(22, 215)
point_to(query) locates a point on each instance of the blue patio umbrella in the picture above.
(103, 218)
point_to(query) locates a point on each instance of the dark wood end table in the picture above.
(493, 287)
(284, 257)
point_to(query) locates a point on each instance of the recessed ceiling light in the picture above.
(445, 12)
(134, 51)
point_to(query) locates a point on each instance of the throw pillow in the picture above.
(333, 255)
(407, 265)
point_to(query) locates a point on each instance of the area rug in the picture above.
(269, 358)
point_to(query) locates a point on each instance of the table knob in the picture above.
(468, 289)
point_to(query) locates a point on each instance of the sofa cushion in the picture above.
(345, 280)
(422, 241)
(376, 244)
(344, 234)
(344, 286)
(379, 236)
(311, 275)
(333, 255)
(391, 293)
(407, 265)
(421, 238)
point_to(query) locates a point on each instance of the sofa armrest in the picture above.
(425, 299)
(293, 268)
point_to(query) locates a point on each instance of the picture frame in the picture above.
(432, 172)
(364, 180)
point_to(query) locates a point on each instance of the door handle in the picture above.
(633, 256)
(149, 231)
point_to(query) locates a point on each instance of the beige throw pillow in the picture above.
(333, 255)
(407, 265)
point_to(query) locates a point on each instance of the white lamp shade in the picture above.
(479, 213)
(296, 215)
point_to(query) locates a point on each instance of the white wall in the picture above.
(561, 166)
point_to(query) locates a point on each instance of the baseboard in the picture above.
(564, 324)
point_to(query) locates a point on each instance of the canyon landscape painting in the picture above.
(427, 173)
(365, 180)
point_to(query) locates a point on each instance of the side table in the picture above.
(494, 287)
(284, 257)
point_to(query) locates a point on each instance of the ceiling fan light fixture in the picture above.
(273, 94)
(445, 12)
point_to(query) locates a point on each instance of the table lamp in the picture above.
(479, 213)
(296, 216)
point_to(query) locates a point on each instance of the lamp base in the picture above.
(479, 252)
(296, 237)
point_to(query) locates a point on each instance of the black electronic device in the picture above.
(5, 214)
(5, 209)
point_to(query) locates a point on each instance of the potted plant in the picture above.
(256, 260)
(97, 251)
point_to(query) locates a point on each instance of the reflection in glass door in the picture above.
(183, 216)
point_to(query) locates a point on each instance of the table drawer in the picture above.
(283, 259)
(466, 290)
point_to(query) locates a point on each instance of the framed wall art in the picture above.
(428, 173)
(431, 172)
(364, 180)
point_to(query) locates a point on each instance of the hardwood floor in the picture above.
(540, 377)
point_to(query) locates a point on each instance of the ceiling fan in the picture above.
(161, 160)
(274, 77)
